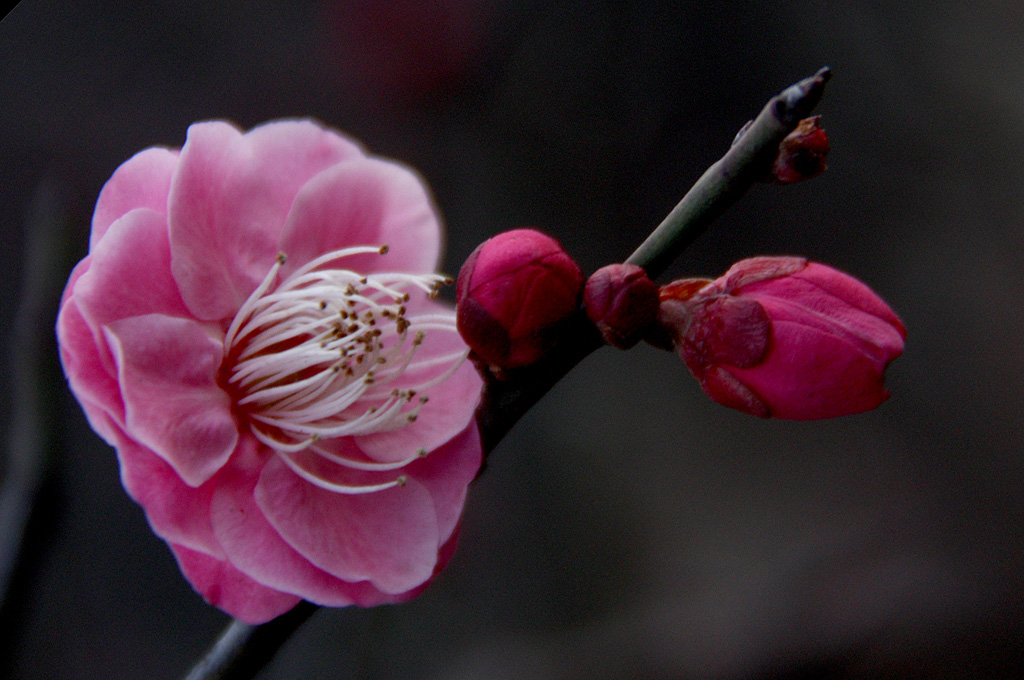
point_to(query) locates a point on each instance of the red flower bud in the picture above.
(622, 302)
(778, 336)
(513, 291)
(801, 154)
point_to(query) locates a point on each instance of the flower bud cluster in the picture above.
(774, 337)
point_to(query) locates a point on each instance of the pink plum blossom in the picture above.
(253, 330)
(778, 336)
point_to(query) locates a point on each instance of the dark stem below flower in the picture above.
(242, 650)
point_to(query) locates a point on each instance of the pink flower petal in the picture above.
(177, 512)
(257, 550)
(173, 405)
(389, 538)
(446, 473)
(228, 203)
(88, 366)
(143, 181)
(365, 202)
(100, 421)
(76, 273)
(130, 272)
(85, 368)
(225, 587)
(842, 299)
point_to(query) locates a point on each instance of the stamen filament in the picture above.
(336, 488)
(335, 255)
(363, 465)
(229, 337)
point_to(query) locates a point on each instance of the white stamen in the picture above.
(363, 465)
(337, 488)
(311, 358)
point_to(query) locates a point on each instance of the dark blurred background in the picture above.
(628, 528)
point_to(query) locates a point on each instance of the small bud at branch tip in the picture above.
(802, 153)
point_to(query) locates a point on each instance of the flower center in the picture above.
(319, 357)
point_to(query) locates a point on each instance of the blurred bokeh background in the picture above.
(628, 528)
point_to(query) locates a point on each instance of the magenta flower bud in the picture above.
(622, 302)
(513, 292)
(778, 336)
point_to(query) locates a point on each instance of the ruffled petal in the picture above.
(87, 363)
(446, 473)
(76, 273)
(167, 370)
(130, 272)
(143, 181)
(257, 550)
(228, 203)
(366, 202)
(228, 589)
(177, 512)
(389, 538)
(85, 368)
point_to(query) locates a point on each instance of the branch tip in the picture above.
(798, 100)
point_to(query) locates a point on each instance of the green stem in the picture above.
(747, 161)
(721, 185)
(243, 650)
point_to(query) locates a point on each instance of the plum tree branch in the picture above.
(721, 185)
(243, 650)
